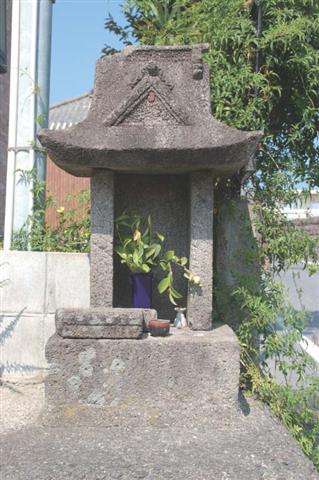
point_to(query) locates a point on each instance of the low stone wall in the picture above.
(37, 283)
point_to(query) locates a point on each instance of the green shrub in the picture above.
(72, 232)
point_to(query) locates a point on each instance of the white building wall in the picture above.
(307, 208)
(37, 283)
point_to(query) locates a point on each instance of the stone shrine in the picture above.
(151, 145)
(169, 405)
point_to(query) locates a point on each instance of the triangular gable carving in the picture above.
(151, 101)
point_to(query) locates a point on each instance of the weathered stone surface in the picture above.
(151, 113)
(148, 314)
(200, 298)
(103, 322)
(236, 255)
(248, 445)
(101, 280)
(182, 372)
(166, 199)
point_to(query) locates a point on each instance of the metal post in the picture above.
(29, 101)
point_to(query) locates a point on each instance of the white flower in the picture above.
(196, 279)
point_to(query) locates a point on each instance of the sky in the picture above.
(78, 36)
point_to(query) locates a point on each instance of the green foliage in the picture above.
(294, 406)
(137, 249)
(142, 253)
(280, 96)
(142, 16)
(271, 330)
(72, 232)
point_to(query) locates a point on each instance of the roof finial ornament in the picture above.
(152, 69)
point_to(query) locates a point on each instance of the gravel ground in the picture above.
(20, 403)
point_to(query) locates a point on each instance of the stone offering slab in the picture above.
(99, 323)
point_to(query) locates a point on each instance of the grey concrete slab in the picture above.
(26, 284)
(68, 281)
(23, 349)
(247, 446)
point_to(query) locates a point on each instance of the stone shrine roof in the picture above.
(151, 113)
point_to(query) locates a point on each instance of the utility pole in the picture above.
(29, 106)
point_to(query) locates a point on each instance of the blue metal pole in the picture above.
(43, 78)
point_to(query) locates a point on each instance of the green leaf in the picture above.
(145, 268)
(149, 252)
(183, 261)
(160, 236)
(145, 235)
(136, 258)
(122, 255)
(164, 265)
(171, 298)
(154, 251)
(164, 284)
(175, 293)
(169, 255)
(140, 250)
(127, 242)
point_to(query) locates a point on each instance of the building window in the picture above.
(3, 36)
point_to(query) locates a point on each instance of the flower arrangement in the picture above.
(142, 252)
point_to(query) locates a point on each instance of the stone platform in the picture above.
(157, 379)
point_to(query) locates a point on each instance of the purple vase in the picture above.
(142, 286)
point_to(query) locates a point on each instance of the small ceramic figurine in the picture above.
(180, 320)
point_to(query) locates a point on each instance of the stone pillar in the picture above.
(102, 199)
(200, 298)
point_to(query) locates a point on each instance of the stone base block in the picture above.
(107, 323)
(180, 375)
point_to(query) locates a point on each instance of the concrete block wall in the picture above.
(37, 283)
